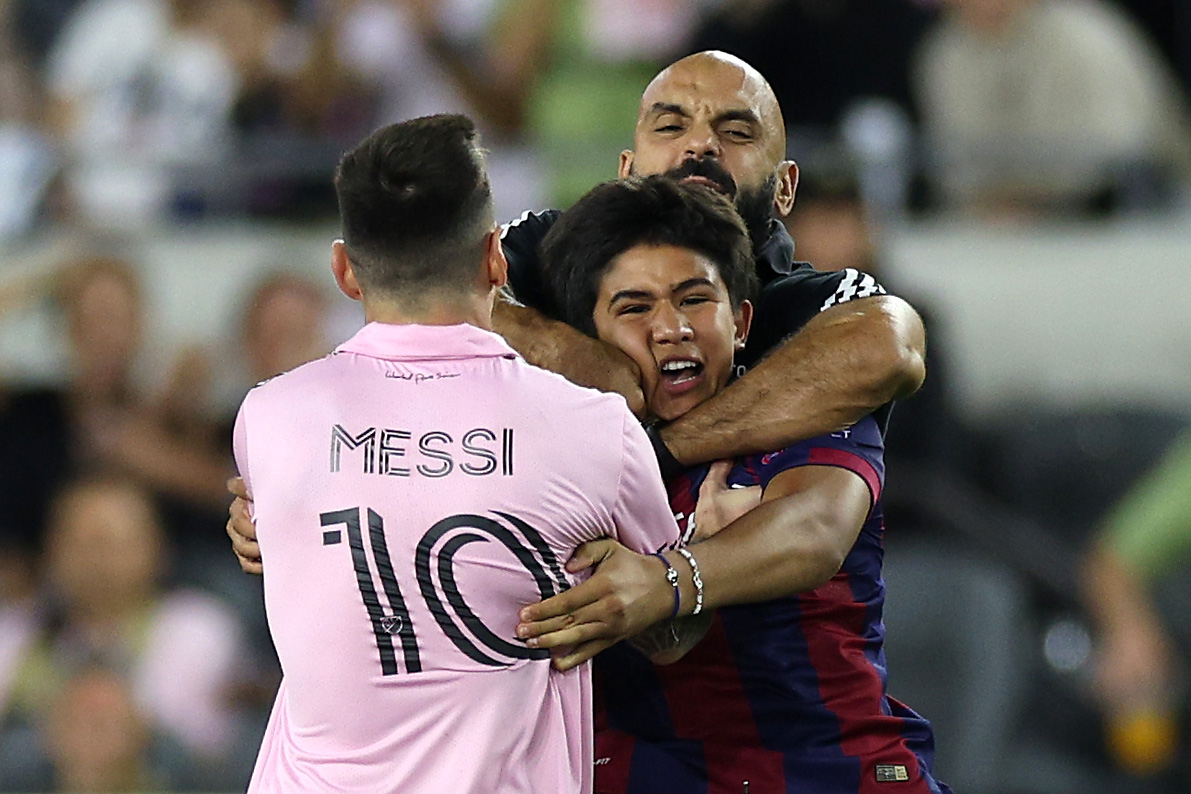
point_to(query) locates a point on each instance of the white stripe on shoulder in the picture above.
(504, 229)
(853, 285)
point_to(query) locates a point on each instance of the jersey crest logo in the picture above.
(854, 285)
(892, 773)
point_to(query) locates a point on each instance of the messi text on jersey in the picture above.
(477, 452)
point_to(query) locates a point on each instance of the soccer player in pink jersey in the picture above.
(414, 489)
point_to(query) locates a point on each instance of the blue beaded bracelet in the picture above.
(672, 578)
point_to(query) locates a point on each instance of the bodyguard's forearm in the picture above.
(844, 364)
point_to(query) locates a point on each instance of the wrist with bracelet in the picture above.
(696, 577)
(672, 578)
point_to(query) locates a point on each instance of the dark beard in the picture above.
(754, 205)
(756, 210)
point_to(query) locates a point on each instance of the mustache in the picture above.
(709, 169)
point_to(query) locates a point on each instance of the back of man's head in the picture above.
(653, 211)
(416, 206)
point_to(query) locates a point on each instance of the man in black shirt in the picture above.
(711, 118)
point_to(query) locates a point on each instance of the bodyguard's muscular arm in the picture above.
(794, 541)
(842, 365)
(577, 357)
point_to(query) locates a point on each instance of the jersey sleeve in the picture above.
(240, 446)
(520, 240)
(642, 515)
(858, 449)
(788, 303)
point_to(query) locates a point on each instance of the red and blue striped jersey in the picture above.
(783, 696)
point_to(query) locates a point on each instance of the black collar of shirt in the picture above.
(775, 257)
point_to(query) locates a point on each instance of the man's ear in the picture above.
(495, 262)
(345, 274)
(743, 321)
(626, 164)
(787, 186)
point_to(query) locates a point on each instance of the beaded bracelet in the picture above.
(672, 578)
(695, 577)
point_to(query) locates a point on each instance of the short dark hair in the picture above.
(654, 210)
(415, 204)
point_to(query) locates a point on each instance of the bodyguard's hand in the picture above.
(627, 593)
(241, 530)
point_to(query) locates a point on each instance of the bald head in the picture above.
(712, 118)
(721, 79)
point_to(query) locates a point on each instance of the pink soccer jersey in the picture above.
(411, 492)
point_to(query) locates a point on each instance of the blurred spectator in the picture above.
(96, 737)
(569, 75)
(137, 88)
(833, 230)
(26, 161)
(420, 57)
(822, 56)
(297, 108)
(176, 653)
(830, 224)
(1168, 23)
(37, 24)
(101, 417)
(113, 423)
(1048, 105)
(840, 69)
(1140, 666)
(284, 324)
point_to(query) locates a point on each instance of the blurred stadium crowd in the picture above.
(1038, 611)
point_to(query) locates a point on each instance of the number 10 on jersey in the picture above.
(455, 618)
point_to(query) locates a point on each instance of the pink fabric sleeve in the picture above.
(240, 446)
(643, 518)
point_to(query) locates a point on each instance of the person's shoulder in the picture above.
(575, 421)
(529, 228)
(801, 275)
(203, 612)
(299, 379)
(1094, 28)
(520, 241)
(556, 393)
(808, 283)
(212, 629)
(1080, 15)
(790, 301)
(596, 416)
